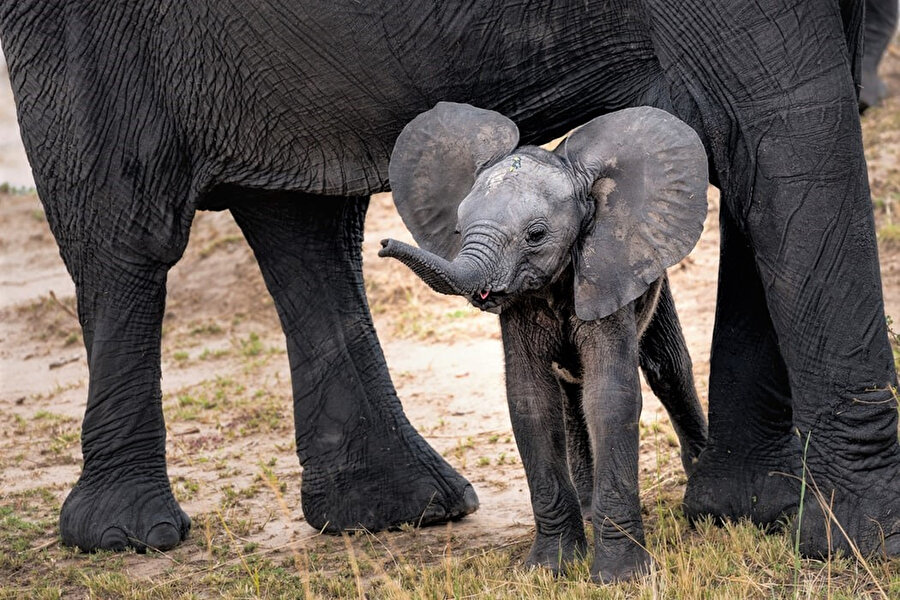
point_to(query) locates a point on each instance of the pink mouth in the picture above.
(484, 294)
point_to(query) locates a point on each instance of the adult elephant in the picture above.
(137, 114)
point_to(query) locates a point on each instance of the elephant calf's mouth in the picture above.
(488, 299)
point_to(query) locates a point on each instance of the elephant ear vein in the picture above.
(649, 179)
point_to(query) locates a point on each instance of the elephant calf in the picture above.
(570, 248)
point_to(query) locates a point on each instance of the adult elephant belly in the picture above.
(281, 106)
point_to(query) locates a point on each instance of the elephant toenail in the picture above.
(114, 539)
(892, 545)
(470, 501)
(163, 536)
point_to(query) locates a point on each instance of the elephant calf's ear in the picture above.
(647, 172)
(434, 164)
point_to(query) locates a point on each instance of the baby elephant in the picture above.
(571, 249)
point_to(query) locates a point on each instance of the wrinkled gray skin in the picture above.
(530, 227)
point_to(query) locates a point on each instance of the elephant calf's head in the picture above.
(624, 197)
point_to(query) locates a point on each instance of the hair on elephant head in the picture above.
(623, 198)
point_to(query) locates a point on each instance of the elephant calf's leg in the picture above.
(612, 410)
(363, 463)
(667, 366)
(123, 497)
(536, 413)
(578, 446)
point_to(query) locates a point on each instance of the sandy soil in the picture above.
(226, 382)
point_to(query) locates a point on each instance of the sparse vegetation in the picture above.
(252, 345)
(220, 243)
(735, 561)
(8, 189)
(208, 354)
(207, 329)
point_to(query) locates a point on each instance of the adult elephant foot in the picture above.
(120, 509)
(556, 551)
(851, 511)
(762, 487)
(394, 487)
(620, 566)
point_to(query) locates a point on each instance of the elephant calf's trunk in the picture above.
(442, 276)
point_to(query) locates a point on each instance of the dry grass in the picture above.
(735, 561)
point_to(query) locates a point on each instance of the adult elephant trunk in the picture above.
(460, 277)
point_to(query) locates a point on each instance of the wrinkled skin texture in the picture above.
(135, 115)
(572, 384)
(880, 27)
(557, 364)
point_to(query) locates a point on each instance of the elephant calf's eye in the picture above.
(534, 235)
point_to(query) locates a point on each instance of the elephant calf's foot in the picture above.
(868, 513)
(119, 510)
(385, 493)
(727, 487)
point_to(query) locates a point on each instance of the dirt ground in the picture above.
(226, 382)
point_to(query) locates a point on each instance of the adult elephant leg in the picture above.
(814, 241)
(536, 413)
(363, 463)
(123, 497)
(779, 109)
(751, 462)
(667, 366)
